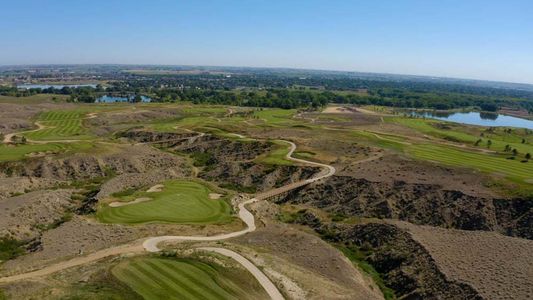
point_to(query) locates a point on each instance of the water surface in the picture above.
(115, 99)
(476, 118)
(55, 86)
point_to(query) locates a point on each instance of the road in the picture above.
(151, 244)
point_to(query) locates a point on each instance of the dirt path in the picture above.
(9, 136)
(151, 244)
(129, 248)
(269, 287)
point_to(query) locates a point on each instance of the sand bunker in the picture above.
(138, 200)
(214, 196)
(156, 188)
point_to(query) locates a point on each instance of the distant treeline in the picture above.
(264, 90)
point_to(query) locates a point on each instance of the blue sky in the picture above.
(486, 39)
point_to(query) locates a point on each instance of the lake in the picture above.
(114, 99)
(476, 118)
(55, 86)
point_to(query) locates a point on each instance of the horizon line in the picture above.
(273, 68)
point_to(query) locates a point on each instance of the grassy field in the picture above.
(166, 278)
(60, 125)
(180, 201)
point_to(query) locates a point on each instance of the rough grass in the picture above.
(180, 201)
(165, 278)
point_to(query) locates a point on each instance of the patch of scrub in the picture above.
(177, 201)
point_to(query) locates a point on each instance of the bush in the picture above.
(10, 248)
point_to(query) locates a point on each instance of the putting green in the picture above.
(166, 278)
(179, 201)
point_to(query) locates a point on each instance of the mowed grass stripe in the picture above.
(484, 162)
(189, 273)
(513, 165)
(138, 279)
(167, 278)
(62, 125)
(168, 282)
(177, 275)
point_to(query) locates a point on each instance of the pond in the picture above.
(55, 86)
(116, 99)
(476, 118)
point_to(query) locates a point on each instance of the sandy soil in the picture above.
(499, 267)
(338, 110)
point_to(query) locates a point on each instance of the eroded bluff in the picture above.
(423, 204)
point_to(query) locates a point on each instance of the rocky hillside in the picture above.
(137, 159)
(232, 164)
(424, 204)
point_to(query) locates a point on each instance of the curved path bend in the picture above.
(151, 244)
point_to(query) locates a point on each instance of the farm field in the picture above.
(179, 201)
(160, 278)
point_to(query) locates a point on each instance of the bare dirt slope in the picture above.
(498, 267)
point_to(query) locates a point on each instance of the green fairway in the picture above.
(277, 117)
(469, 135)
(60, 125)
(179, 201)
(512, 169)
(11, 153)
(166, 278)
(278, 156)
